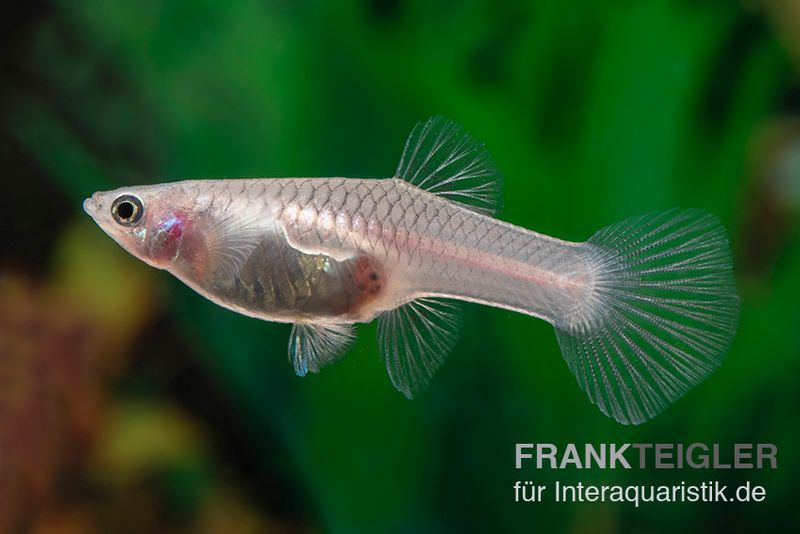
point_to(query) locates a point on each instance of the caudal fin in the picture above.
(661, 313)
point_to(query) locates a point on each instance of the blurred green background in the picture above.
(129, 404)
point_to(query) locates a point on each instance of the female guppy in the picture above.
(643, 310)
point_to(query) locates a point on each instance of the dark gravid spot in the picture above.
(368, 279)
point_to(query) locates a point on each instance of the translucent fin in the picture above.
(442, 158)
(231, 241)
(415, 338)
(661, 315)
(312, 346)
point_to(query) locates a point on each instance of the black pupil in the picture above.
(125, 210)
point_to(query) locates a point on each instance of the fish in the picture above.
(643, 311)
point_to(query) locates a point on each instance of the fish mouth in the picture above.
(90, 206)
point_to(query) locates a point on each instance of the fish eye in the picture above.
(127, 210)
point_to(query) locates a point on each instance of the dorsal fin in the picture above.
(312, 346)
(415, 338)
(443, 158)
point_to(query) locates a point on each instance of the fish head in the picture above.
(150, 222)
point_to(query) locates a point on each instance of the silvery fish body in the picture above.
(643, 310)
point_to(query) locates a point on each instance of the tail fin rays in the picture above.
(663, 311)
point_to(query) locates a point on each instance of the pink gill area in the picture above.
(177, 241)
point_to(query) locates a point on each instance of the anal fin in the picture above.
(312, 346)
(415, 339)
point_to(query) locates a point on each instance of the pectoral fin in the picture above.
(230, 242)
